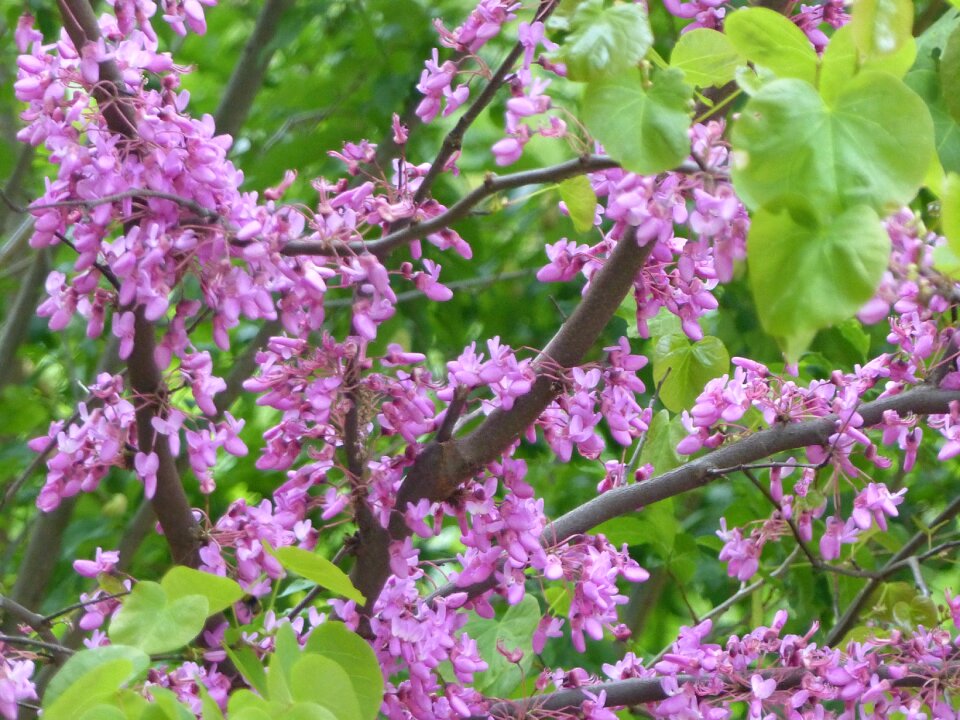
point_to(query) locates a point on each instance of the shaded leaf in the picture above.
(643, 129)
(150, 621)
(806, 275)
(604, 42)
(769, 39)
(706, 57)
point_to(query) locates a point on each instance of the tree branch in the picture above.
(170, 501)
(637, 691)
(492, 185)
(247, 77)
(442, 466)
(704, 470)
(700, 472)
(856, 606)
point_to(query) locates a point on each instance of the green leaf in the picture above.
(209, 707)
(926, 83)
(306, 711)
(619, 530)
(845, 343)
(643, 130)
(244, 700)
(872, 147)
(335, 641)
(285, 654)
(950, 212)
(881, 27)
(558, 599)
(580, 200)
(660, 443)
(950, 75)
(319, 570)
(690, 367)
(767, 38)
(150, 621)
(250, 667)
(84, 661)
(220, 592)
(515, 630)
(103, 712)
(604, 42)
(841, 62)
(323, 681)
(89, 690)
(706, 58)
(806, 276)
(165, 706)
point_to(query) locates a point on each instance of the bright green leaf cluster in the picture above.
(822, 151)
(605, 41)
(682, 368)
(642, 125)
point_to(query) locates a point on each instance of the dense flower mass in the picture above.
(370, 435)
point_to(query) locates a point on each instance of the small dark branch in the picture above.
(200, 210)
(78, 605)
(59, 651)
(492, 185)
(15, 183)
(790, 523)
(18, 612)
(856, 606)
(24, 308)
(14, 487)
(454, 139)
(947, 362)
(453, 414)
(317, 589)
(247, 77)
(103, 269)
(37, 623)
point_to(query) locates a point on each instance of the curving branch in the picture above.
(454, 139)
(707, 468)
(170, 501)
(492, 185)
(441, 467)
(703, 470)
(895, 563)
(637, 691)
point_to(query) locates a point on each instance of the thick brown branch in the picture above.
(699, 472)
(637, 691)
(704, 470)
(442, 466)
(170, 501)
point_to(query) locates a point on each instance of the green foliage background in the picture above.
(340, 70)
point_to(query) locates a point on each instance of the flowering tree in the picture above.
(712, 442)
